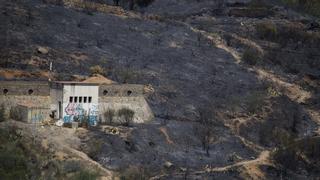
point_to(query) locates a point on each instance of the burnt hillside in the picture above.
(254, 63)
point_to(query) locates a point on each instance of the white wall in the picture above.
(80, 109)
(56, 95)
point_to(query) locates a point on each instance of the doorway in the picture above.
(60, 110)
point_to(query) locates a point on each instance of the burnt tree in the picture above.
(204, 128)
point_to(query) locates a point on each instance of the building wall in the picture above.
(104, 97)
(56, 96)
(24, 88)
(13, 93)
(80, 110)
(121, 90)
(33, 115)
(129, 96)
(138, 104)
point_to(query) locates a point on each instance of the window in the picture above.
(76, 99)
(80, 99)
(70, 99)
(129, 93)
(90, 99)
(105, 92)
(30, 91)
(85, 99)
(5, 91)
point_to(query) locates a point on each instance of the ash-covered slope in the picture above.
(263, 83)
(185, 68)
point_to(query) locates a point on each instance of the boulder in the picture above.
(168, 164)
(43, 50)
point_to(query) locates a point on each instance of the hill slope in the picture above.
(255, 64)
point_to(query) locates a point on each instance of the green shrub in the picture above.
(126, 116)
(15, 114)
(251, 57)
(3, 116)
(86, 175)
(267, 31)
(255, 102)
(13, 161)
(97, 70)
(109, 115)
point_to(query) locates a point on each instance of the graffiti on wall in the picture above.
(37, 117)
(93, 115)
(76, 112)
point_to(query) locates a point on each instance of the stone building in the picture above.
(77, 100)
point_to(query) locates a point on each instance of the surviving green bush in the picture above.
(97, 70)
(15, 114)
(13, 161)
(255, 102)
(251, 57)
(2, 113)
(267, 30)
(86, 175)
(109, 115)
(126, 116)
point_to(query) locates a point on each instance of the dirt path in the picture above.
(163, 130)
(293, 91)
(251, 167)
(262, 159)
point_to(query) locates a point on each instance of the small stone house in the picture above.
(32, 113)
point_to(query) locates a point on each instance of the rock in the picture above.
(114, 130)
(183, 169)
(168, 164)
(43, 50)
(314, 25)
(59, 123)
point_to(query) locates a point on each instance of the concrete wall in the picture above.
(33, 115)
(13, 93)
(120, 96)
(56, 97)
(104, 97)
(80, 110)
(121, 90)
(138, 104)
(24, 88)
(13, 100)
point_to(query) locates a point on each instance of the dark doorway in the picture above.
(60, 110)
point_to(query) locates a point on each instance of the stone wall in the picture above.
(33, 114)
(126, 90)
(24, 88)
(12, 101)
(138, 104)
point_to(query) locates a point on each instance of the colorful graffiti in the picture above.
(76, 112)
(37, 117)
